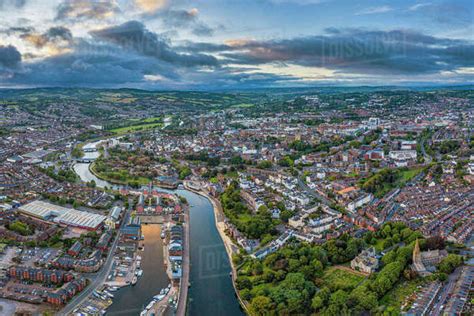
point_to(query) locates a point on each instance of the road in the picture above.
(313, 193)
(99, 279)
(445, 291)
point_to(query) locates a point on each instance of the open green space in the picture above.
(338, 279)
(136, 128)
(387, 179)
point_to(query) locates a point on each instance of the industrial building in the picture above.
(62, 215)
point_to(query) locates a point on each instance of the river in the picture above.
(211, 291)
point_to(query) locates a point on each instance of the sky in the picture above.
(233, 44)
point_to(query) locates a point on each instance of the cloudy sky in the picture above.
(200, 44)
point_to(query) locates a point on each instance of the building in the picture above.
(424, 262)
(75, 249)
(114, 216)
(62, 215)
(366, 261)
(132, 230)
(39, 275)
(352, 206)
(459, 297)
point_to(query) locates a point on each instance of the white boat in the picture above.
(140, 273)
(110, 295)
(150, 305)
(143, 313)
(139, 258)
(162, 292)
(163, 235)
(113, 289)
(134, 280)
(158, 297)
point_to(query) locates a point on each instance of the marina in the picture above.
(210, 283)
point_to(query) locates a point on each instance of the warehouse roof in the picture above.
(63, 215)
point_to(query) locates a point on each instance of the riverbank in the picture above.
(230, 247)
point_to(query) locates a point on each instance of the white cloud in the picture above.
(375, 10)
(154, 78)
(418, 6)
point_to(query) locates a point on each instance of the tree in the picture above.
(261, 305)
(243, 282)
(264, 164)
(364, 298)
(451, 262)
(381, 285)
(338, 298)
(317, 302)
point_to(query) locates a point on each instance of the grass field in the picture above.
(243, 105)
(134, 128)
(337, 279)
(409, 174)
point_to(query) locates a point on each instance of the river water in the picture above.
(211, 291)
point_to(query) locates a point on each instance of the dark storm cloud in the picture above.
(134, 36)
(178, 19)
(86, 9)
(10, 57)
(92, 65)
(125, 54)
(106, 66)
(352, 50)
(4, 4)
(58, 35)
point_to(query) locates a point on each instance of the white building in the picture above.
(352, 206)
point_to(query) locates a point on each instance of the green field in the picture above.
(243, 105)
(135, 128)
(336, 279)
(409, 174)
